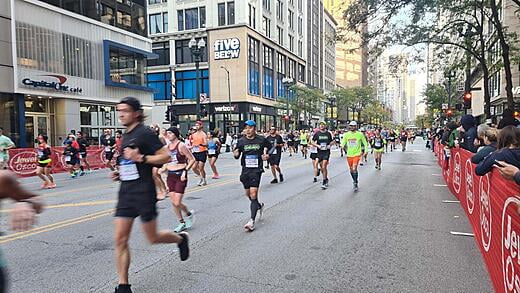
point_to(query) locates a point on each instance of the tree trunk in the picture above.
(505, 53)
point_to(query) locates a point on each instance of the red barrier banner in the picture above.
(24, 161)
(492, 206)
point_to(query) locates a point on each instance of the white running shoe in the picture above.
(250, 226)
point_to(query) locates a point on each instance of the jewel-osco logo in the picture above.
(457, 178)
(485, 212)
(470, 201)
(511, 245)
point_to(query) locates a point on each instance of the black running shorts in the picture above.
(109, 156)
(313, 156)
(250, 178)
(135, 205)
(201, 156)
(323, 155)
(275, 159)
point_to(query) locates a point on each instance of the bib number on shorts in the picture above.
(212, 151)
(251, 161)
(128, 170)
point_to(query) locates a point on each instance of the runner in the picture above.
(158, 170)
(181, 161)
(403, 136)
(354, 141)
(83, 144)
(140, 150)
(275, 154)
(44, 162)
(364, 151)
(108, 142)
(378, 143)
(199, 147)
(290, 143)
(314, 158)
(337, 140)
(323, 140)
(214, 146)
(384, 134)
(5, 145)
(71, 158)
(304, 141)
(392, 138)
(252, 149)
(23, 214)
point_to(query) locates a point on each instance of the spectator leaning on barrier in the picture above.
(5, 144)
(490, 139)
(469, 133)
(508, 150)
(508, 119)
(481, 132)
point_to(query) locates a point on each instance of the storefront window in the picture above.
(9, 117)
(95, 118)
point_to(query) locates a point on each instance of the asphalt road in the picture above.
(391, 236)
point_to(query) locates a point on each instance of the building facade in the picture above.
(71, 65)
(250, 47)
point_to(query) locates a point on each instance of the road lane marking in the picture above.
(67, 205)
(70, 191)
(462, 234)
(440, 185)
(451, 201)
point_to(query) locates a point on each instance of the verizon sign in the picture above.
(227, 48)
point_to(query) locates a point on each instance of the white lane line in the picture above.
(462, 234)
(436, 174)
(456, 217)
(451, 201)
(440, 185)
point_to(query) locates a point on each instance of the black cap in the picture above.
(175, 131)
(132, 102)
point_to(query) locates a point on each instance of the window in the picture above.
(280, 36)
(186, 83)
(300, 26)
(163, 50)
(301, 73)
(268, 80)
(300, 5)
(95, 118)
(183, 54)
(253, 66)
(279, 10)
(158, 23)
(154, 1)
(291, 19)
(161, 83)
(281, 69)
(300, 48)
(230, 13)
(192, 18)
(267, 4)
(291, 43)
(252, 16)
(127, 67)
(266, 25)
(291, 72)
(221, 14)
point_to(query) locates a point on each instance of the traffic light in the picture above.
(449, 112)
(467, 100)
(168, 113)
(286, 117)
(203, 111)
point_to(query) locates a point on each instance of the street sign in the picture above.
(444, 106)
(204, 98)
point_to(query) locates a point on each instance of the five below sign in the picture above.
(227, 49)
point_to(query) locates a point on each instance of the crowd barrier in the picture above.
(492, 206)
(24, 161)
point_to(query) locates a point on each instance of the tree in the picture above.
(303, 100)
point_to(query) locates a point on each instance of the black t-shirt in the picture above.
(378, 142)
(252, 151)
(83, 144)
(322, 139)
(70, 151)
(148, 143)
(108, 143)
(290, 136)
(274, 141)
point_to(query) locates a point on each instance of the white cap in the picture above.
(352, 123)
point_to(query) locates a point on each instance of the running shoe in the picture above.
(44, 185)
(189, 220)
(327, 183)
(123, 289)
(356, 188)
(274, 181)
(315, 180)
(181, 227)
(250, 226)
(51, 185)
(323, 185)
(361, 164)
(204, 182)
(215, 176)
(184, 248)
(200, 182)
(281, 177)
(261, 210)
(81, 173)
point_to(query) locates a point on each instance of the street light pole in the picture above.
(287, 82)
(229, 97)
(197, 49)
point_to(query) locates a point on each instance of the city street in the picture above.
(391, 236)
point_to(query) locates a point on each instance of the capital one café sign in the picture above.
(227, 48)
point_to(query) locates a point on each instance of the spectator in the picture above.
(5, 144)
(481, 132)
(228, 142)
(508, 119)
(508, 150)
(470, 133)
(450, 135)
(490, 145)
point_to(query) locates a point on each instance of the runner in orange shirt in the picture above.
(199, 148)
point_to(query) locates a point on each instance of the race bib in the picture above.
(128, 170)
(67, 158)
(108, 149)
(173, 156)
(251, 161)
(323, 146)
(40, 154)
(195, 149)
(377, 144)
(352, 143)
(212, 151)
(313, 150)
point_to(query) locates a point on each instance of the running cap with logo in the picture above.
(132, 102)
(250, 123)
(352, 123)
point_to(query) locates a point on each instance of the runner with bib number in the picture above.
(252, 150)
(378, 143)
(214, 146)
(355, 143)
(323, 140)
(275, 153)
